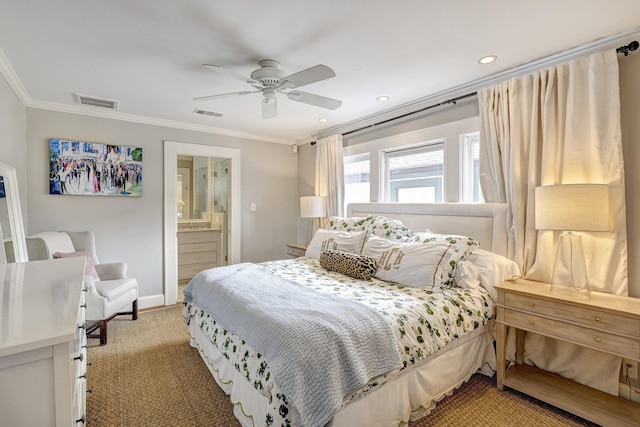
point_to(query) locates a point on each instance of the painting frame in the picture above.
(80, 168)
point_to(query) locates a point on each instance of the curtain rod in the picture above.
(624, 50)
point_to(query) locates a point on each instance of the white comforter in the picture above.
(424, 321)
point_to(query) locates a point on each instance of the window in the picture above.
(415, 175)
(470, 168)
(357, 179)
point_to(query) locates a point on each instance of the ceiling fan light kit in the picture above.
(270, 80)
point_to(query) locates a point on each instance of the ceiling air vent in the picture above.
(96, 102)
(207, 113)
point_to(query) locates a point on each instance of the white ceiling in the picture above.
(147, 54)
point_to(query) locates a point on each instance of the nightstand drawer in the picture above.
(592, 318)
(626, 347)
(296, 249)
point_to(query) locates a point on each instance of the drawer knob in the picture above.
(83, 376)
(80, 358)
(598, 319)
(531, 304)
(531, 322)
(84, 305)
(90, 390)
(598, 339)
(81, 420)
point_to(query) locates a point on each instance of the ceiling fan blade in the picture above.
(269, 108)
(230, 73)
(224, 95)
(308, 76)
(312, 99)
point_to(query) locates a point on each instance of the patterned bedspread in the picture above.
(423, 321)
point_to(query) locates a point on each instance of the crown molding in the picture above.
(14, 82)
(598, 45)
(115, 115)
(16, 85)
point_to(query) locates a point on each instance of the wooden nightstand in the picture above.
(296, 249)
(606, 322)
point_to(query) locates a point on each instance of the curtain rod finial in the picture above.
(628, 48)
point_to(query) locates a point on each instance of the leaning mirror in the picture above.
(11, 225)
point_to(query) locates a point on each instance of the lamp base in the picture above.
(570, 271)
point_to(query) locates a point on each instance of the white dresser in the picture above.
(198, 250)
(43, 352)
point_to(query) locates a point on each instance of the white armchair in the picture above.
(107, 297)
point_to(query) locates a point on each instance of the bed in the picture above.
(441, 334)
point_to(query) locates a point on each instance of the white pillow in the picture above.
(347, 241)
(466, 275)
(493, 269)
(417, 265)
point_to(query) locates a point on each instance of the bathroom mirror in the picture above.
(201, 187)
(14, 246)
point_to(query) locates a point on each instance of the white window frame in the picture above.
(354, 159)
(386, 155)
(449, 131)
(469, 180)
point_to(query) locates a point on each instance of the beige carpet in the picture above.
(149, 375)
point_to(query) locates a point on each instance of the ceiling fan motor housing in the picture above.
(269, 73)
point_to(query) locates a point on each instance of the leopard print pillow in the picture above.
(354, 265)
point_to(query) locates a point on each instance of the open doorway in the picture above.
(226, 207)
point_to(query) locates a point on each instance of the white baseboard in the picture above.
(151, 301)
(623, 392)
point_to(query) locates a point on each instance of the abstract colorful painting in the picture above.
(90, 169)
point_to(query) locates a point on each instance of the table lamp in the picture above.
(313, 207)
(570, 208)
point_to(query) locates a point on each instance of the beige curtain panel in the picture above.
(557, 126)
(330, 174)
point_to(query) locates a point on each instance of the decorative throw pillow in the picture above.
(89, 268)
(418, 265)
(381, 226)
(463, 244)
(354, 265)
(348, 241)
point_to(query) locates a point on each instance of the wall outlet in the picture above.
(630, 367)
(629, 393)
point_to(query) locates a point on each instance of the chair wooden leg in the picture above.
(134, 310)
(103, 332)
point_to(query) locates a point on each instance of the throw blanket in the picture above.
(319, 347)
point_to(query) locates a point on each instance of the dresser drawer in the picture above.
(188, 271)
(592, 318)
(196, 247)
(196, 258)
(604, 341)
(198, 237)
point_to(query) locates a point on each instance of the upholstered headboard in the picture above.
(485, 222)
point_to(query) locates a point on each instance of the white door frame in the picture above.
(171, 151)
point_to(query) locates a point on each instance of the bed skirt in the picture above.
(406, 397)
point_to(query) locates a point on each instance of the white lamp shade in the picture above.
(572, 207)
(313, 207)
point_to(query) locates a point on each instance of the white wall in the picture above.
(131, 228)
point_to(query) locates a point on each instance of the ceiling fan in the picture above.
(270, 80)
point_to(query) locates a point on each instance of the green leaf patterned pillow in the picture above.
(380, 226)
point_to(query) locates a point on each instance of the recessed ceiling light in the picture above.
(382, 98)
(323, 120)
(487, 59)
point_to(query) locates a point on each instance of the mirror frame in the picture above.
(18, 238)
